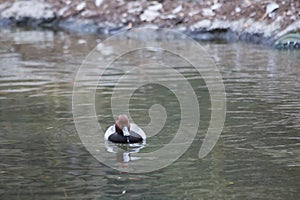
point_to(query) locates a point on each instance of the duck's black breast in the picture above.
(133, 138)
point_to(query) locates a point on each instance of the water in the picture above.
(42, 157)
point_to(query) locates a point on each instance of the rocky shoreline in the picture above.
(255, 21)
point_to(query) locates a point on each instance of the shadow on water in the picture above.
(257, 156)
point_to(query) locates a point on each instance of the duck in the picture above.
(124, 132)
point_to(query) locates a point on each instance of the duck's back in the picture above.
(137, 135)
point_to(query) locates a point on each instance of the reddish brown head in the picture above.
(121, 123)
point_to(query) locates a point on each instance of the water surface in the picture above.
(42, 157)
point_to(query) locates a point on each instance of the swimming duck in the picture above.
(124, 132)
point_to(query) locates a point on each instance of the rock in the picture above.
(62, 11)
(29, 9)
(155, 7)
(149, 15)
(81, 41)
(216, 6)
(192, 13)
(181, 28)
(98, 3)
(288, 41)
(87, 13)
(289, 13)
(177, 9)
(82, 26)
(170, 16)
(293, 17)
(134, 7)
(271, 7)
(207, 12)
(203, 24)
(80, 6)
(120, 2)
(237, 9)
(4, 5)
(252, 14)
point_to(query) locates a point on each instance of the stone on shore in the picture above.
(252, 21)
(28, 9)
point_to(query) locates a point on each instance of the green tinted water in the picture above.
(256, 157)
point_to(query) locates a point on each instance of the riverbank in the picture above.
(241, 20)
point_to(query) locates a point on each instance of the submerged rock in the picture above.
(288, 41)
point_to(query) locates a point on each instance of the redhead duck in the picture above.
(124, 132)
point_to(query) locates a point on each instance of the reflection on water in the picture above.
(257, 156)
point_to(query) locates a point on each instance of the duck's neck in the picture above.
(119, 130)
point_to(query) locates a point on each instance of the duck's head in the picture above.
(123, 123)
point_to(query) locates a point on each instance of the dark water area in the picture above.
(256, 157)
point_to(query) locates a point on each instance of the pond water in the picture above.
(256, 157)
